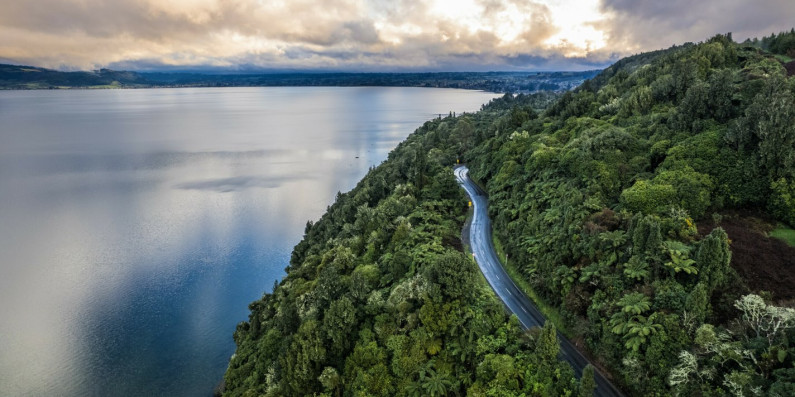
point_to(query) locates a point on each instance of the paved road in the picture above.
(516, 301)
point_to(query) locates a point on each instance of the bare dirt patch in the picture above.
(790, 66)
(764, 263)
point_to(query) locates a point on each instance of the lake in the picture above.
(137, 225)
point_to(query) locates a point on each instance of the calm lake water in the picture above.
(137, 225)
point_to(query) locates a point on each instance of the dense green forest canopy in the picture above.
(632, 206)
(380, 299)
(612, 203)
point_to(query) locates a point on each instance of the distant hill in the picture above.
(517, 82)
(28, 77)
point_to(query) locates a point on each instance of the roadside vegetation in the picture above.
(628, 206)
(784, 233)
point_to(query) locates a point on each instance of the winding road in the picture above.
(502, 284)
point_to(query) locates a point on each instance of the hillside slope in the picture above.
(599, 203)
(29, 77)
(380, 299)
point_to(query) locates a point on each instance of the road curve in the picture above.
(502, 284)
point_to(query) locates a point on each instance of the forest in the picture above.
(380, 298)
(650, 211)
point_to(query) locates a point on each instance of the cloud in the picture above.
(370, 35)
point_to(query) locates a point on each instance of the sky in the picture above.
(366, 35)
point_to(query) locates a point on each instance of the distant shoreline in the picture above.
(155, 87)
(14, 77)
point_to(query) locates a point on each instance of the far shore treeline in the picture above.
(639, 209)
(28, 77)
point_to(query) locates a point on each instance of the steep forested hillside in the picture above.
(381, 300)
(611, 205)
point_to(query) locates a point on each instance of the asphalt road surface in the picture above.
(515, 300)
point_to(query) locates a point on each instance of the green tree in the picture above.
(768, 129)
(693, 108)
(639, 329)
(697, 303)
(634, 303)
(713, 258)
(646, 236)
(331, 381)
(338, 322)
(303, 359)
(775, 130)
(693, 189)
(587, 382)
(366, 372)
(782, 200)
(647, 197)
(502, 370)
(547, 347)
(766, 321)
(631, 324)
(784, 384)
(564, 279)
(679, 254)
(436, 383)
(453, 272)
(287, 319)
(636, 269)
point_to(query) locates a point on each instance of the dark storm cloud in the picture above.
(648, 24)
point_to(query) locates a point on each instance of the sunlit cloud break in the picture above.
(365, 35)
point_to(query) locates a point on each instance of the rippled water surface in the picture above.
(137, 225)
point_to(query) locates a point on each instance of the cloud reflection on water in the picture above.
(237, 183)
